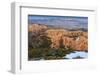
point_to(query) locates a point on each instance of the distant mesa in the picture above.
(36, 27)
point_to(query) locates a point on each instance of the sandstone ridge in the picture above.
(77, 39)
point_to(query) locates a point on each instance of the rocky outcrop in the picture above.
(36, 27)
(77, 40)
(55, 35)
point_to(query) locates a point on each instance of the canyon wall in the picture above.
(78, 40)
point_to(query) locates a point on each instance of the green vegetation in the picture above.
(39, 47)
(48, 53)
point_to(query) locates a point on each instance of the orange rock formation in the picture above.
(77, 40)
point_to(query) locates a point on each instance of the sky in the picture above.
(59, 21)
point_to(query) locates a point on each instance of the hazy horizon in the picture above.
(59, 21)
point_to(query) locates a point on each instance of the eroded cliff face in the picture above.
(36, 27)
(78, 40)
(75, 39)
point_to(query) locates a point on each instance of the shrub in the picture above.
(34, 53)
